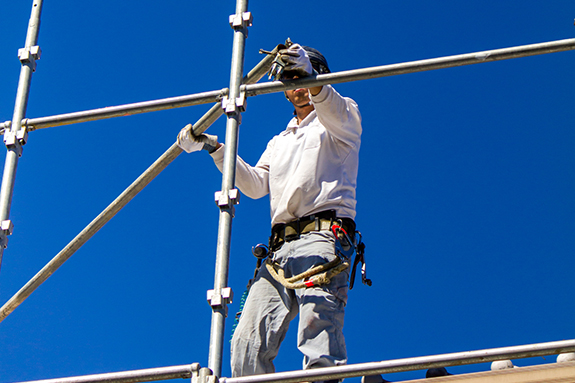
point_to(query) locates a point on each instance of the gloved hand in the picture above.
(191, 143)
(296, 60)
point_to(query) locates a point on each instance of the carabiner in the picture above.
(340, 249)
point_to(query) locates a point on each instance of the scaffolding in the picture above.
(231, 102)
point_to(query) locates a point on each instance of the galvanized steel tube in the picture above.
(327, 373)
(324, 79)
(147, 375)
(410, 364)
(125, 110)
(138, 185)
(412, 67)
(219, 311)
(15, 150)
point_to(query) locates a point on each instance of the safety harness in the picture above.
(345, 246)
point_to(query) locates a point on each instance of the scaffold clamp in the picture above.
(9, 138)
(29, 55)
(195, 370)
(228, 199)
(5, 127)
(225, 296)
(22, 136)
(232, 106)
(15, 140)
(202, 375)
(239, 21)
(6, 228)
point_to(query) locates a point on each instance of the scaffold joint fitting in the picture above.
(239, 21)
(202, 375)
(5, 126)
(225, 296)
(228, 199)
(15, 140)
(29, 55)
(6, 228)
(233, 106)
(22, 136)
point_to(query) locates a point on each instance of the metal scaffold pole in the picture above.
(233, 105)
(15, 137)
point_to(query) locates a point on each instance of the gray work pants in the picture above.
(270, 307)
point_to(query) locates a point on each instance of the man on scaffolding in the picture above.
(310, 172)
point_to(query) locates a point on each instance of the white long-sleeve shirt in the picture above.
(310, 167)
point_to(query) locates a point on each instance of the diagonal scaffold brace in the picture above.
(257, 73)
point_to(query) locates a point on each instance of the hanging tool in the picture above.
(278, 65)
(359, 257)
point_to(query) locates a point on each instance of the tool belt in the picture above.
(322, 221)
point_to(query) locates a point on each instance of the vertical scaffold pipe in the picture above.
(239, 22)
(15, 137)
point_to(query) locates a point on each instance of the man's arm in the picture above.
(315, 90)
(340, 115)
(251, 180)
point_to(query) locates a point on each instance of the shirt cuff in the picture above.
(218, 154)
(322, 95)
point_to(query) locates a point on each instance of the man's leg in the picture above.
(320, 333)
(262, 327)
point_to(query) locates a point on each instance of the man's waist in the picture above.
(321, 221)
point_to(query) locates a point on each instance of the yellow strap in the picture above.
(327, 270)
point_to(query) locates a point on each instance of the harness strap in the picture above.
(316, 276)
(323, 220)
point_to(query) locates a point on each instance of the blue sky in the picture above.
(466, 195)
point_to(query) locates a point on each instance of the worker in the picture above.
(309, 171)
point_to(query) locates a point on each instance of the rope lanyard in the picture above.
(316, 276)
(321, 274)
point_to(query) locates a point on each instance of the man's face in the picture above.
(299, 97)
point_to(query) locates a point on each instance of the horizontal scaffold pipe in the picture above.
(410, 364)
(147, 375)
(125, 110)
(412, 67)
(122, 200)
(323, 79)
(328, 373)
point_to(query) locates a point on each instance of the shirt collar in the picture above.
(293, 125)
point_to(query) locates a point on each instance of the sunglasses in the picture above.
(289, 75)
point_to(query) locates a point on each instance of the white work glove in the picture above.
(190, 143)
(296, 60)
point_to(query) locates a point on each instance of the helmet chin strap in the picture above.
(297, 106)
(302, 106)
